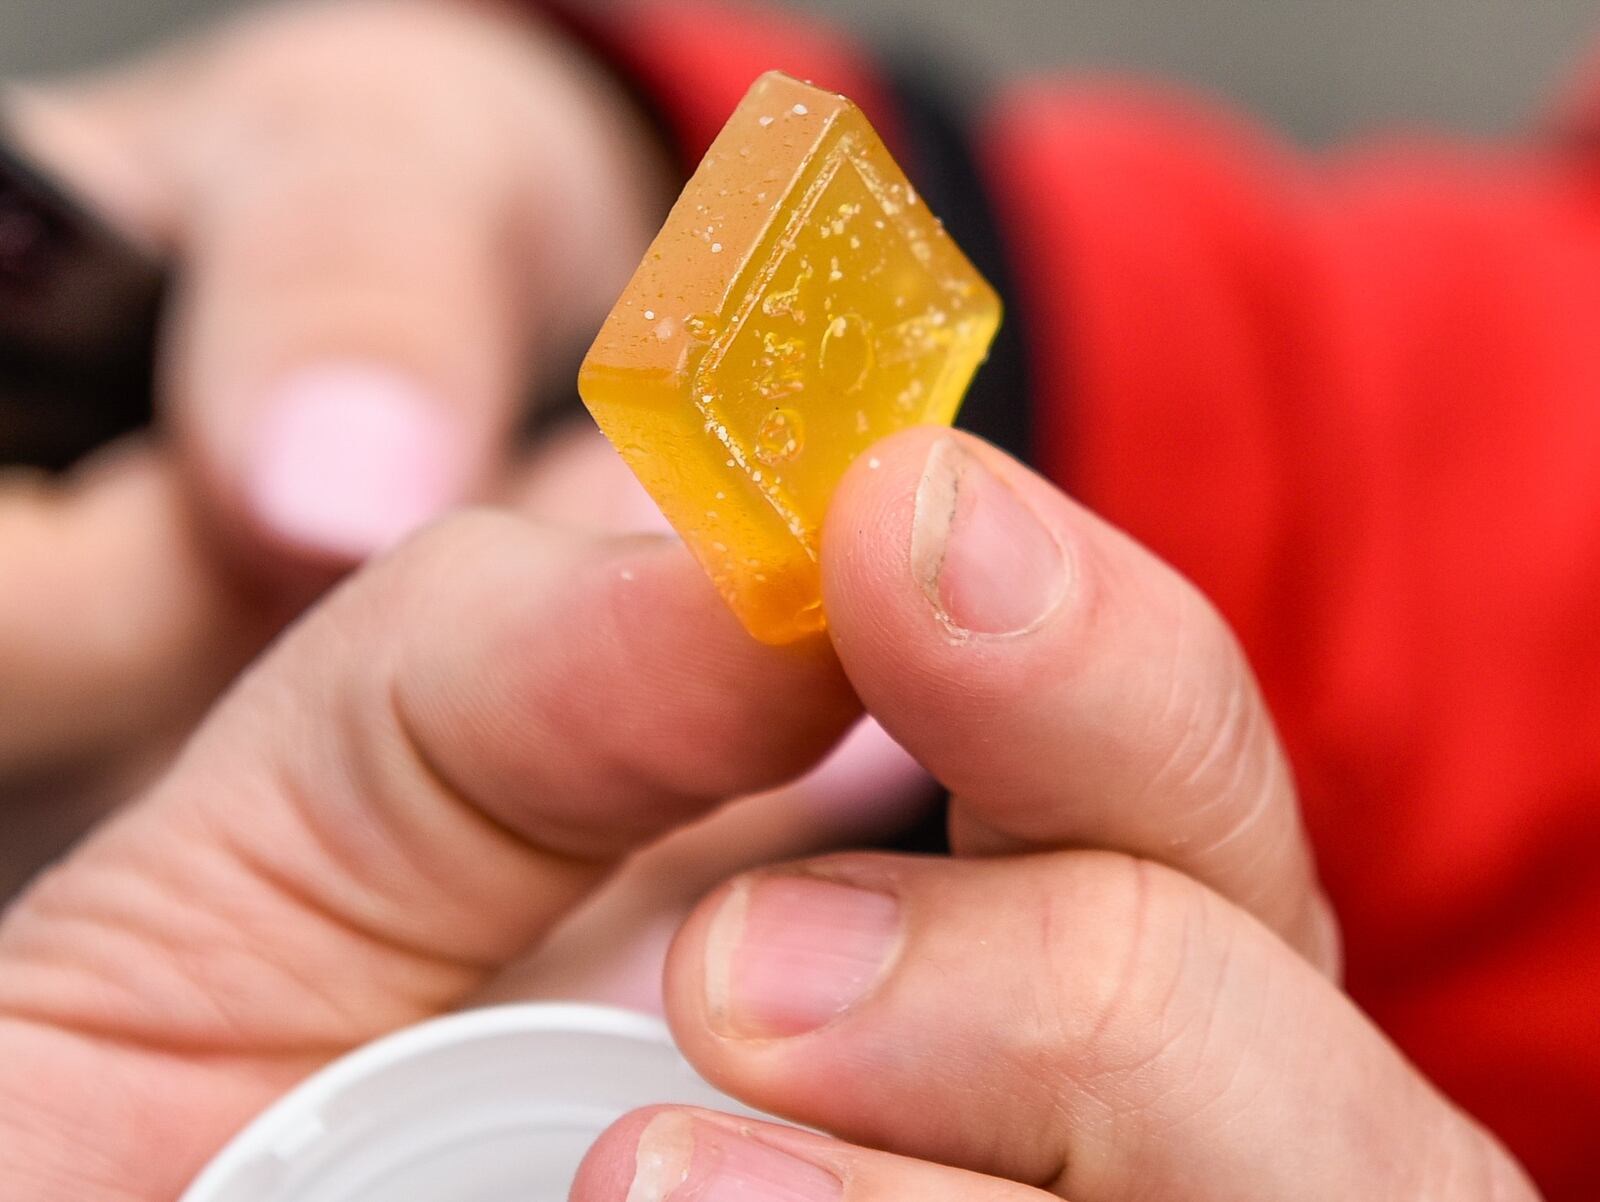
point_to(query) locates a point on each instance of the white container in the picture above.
(491, 1105)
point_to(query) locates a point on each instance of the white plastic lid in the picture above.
(492, 1105)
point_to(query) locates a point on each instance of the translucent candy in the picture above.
(799, 304)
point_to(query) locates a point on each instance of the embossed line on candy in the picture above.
(924, 333)
(832, 152)
(920, 335)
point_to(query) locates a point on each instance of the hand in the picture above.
(388, 215)
(436, 766)
(415, 785)
(1124, 988)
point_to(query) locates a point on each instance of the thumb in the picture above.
(405, 793)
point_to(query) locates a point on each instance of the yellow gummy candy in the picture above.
(799, 304)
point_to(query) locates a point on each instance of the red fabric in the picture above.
(696, 59)
(1358, 401)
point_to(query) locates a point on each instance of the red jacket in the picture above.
(1357, 399)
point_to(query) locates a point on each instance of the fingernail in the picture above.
(679, 1159)
(978, 550)
(789, 954)
(348, 459)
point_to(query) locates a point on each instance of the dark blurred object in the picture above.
(79, 306)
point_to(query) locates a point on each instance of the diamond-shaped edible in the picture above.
(799, 304)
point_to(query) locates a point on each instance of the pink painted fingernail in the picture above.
(979, 552)
(349, 458)
(789, 954)
(680, 1159)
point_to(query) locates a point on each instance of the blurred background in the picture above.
(1319, 69)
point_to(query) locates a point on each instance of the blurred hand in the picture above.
(386, 215)
(384, 212)
(1123, 988)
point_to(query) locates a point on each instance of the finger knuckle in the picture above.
(1125, 995)
(1217, 744)
(1205, 715)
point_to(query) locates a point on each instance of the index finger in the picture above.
(1069, 688)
